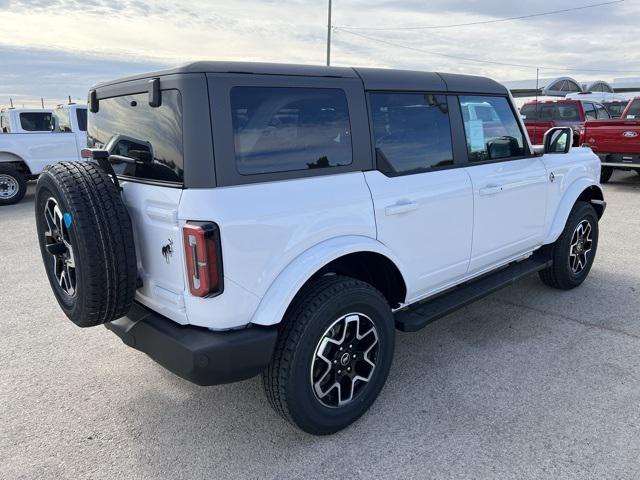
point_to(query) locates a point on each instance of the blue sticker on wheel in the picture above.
(67, 219)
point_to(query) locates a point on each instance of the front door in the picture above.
(509, 184)
(423, 204)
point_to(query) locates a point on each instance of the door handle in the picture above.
(491, 190)
(399, 208)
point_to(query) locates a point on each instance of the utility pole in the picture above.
(329, 36)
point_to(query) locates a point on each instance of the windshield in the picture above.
(547, 112)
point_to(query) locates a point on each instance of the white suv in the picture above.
(240, 219)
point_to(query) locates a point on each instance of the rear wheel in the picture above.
(13, 185)
(574, 251)
(333, 355)
(86, 242)
(605, 174)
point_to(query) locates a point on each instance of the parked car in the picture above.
(616, 142)
(246, 218)
(542, 115)
(53, 136)
(25, 120)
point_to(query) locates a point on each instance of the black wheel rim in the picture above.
(58, 246)
(344, 360)
(580, 247)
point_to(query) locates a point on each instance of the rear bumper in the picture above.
(195, 353)
(620, 160)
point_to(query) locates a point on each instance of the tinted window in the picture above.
(634, 110)
(61, 120)
(4, 123)
(546, 112)
(36, 121)
(491, 128)
(589, 111)
(286, 129)
(81, 114)
(411, 132)
(148, 138)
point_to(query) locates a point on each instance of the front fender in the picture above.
(276, 300)
(566, 204)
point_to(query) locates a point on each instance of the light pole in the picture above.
(329, 35)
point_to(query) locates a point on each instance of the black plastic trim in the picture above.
(197, 354)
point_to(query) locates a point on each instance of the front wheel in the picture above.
(574, 251)
(605, 174)
(333, 355)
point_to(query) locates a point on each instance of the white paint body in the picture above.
(39, 149)
(439, 228)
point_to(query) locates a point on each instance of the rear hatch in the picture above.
(146, 147)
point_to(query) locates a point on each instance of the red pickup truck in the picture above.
(616, 142)
(542, 115)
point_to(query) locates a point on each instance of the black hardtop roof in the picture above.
(373, 78)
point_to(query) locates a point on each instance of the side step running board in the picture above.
(419, 315)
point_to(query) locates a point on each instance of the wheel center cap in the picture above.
(344, 359)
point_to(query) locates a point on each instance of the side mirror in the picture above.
(558, 140)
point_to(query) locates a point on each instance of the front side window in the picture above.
(61, 121)
(601, 112)
(280, 129)
(589, 111)
(147, 140)
(35, 121)
(411, 132)
(491, 128)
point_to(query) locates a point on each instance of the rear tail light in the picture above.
(204, 258)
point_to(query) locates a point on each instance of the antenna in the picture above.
(70, 100)
(537, 82)
(42, 102)
(11, 102)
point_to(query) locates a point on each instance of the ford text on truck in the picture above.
(238, 219)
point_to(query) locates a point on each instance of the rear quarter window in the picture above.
(149, 139)
(280, 129)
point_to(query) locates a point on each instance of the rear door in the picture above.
(423, 202)
(509, 184)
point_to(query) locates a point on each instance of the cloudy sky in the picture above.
(55, 48)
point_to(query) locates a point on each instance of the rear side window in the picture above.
(411, 131)
(280, 129)
(634, 110)
(35, 121)
(149, 139)
(81, 114)
(551, 111)
(491, 128)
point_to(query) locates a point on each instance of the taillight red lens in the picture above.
(204, 258)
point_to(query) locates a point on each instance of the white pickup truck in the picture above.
(32, 139)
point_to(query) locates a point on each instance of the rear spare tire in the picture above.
(86, 241)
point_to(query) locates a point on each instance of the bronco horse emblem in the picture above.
(167, 251)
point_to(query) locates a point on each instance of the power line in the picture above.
(484, 22)
(476, 60)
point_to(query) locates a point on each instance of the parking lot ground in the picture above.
(527, 383)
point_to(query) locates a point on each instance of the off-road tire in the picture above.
(287, 382)
(17, 179)
(560, 275)
(101, 235)
(605, 174)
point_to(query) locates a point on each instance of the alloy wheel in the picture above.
(58, 245)
(580, 247)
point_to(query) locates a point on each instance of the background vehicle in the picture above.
(616, 142)
(284, 220)
(542, 115)
(21, 120)
(34, 139)
(616, 107)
